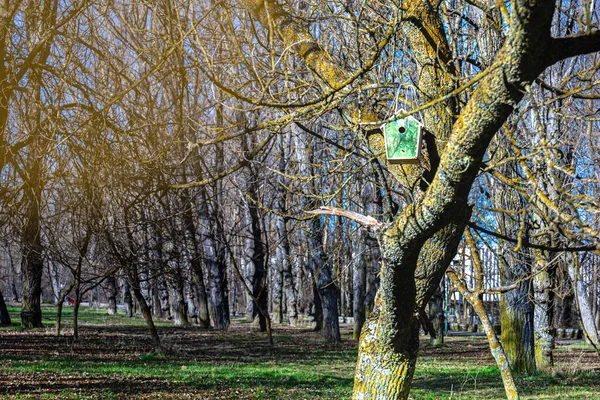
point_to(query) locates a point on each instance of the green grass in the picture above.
(114, 360)
(87, 316)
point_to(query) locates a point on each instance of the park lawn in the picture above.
(113, 360)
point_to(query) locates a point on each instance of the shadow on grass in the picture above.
(192, 380)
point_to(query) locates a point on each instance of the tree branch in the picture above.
(528, 244)
(364, 220)
(575, 45)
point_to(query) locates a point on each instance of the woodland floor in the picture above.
(113, 360)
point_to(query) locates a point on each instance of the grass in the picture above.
(113, 359)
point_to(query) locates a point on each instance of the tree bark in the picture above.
(543, 312)
(496, 348)
(277, 288)
(201, 301)
(111, 292)
(359, 285)
(436, 316)
(516, 314)
(283, 244)
(585, 308)
(4, 315)
(127, 300)
(32, 266)
(255, 252)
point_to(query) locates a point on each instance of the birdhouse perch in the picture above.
(403, 140)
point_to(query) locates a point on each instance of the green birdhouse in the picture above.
(403, 140)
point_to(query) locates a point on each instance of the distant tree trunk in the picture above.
(60, 306)
(4, 315)
(127, 300)
(283, 245)
(566, 303)
(177, 297)
(147, 313)
(156, 310)
(364, 285)
(583, 301)
(111, 284)
(213, 238)
(495, 345)
(359, 285)
(12, 278)
(318, 261)
(318, 307)
(255, 252)
(543, 312)
(215, 264)
(32, 266)
(76, 308)
(321, 268)
(436, 316)
(55, 281)
(248, 271)
(277, 288)
(59, 310)
(201, 301)
(516, 314)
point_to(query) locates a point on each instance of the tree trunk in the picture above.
(585, 308)
(179, 311)
(285, 266)
(163, 294)
(516, 314)
(201, 301)
(255, 252)
(59, 310)
(76, 311)
(496, 348)
(359, 286)
(387, 352)
(54, 274)
(436, 316)
(31, 268)
(214, 254)
(111, 284)
(12, 279)
(147, 313)
(318, 261)
(4, 315)
(277, 288)
(543, 313)
(127, 300)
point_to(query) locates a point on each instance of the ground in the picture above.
(113, 360)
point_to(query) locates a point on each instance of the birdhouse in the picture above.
(403, 140)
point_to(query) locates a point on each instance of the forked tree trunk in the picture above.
(387, 352)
